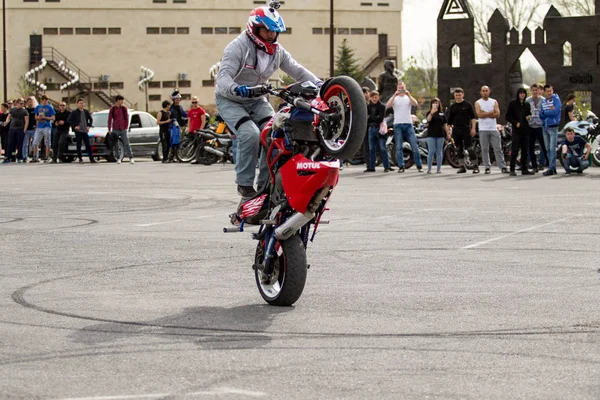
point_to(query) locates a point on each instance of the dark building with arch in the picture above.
(568, 49)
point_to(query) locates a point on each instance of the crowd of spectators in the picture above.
(534, 118)
(32, 132)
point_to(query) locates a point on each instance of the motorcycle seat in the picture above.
(206, 135)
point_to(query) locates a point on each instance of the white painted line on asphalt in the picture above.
(471, 246)
(173, 220)
(211, 392)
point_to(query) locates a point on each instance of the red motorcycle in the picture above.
(303, 143)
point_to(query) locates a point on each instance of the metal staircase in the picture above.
(86, 84)
(388, 53)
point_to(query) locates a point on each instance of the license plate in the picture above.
(74, 147)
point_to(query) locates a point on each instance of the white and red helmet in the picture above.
(267, 18)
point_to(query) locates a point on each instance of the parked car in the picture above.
(143, 137)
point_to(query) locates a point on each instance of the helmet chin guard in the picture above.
(268, 18)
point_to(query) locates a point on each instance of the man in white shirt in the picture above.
(402, 103)
(487, 111)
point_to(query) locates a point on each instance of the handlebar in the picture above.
(297, 101)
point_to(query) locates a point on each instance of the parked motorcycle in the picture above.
(588, 129)
(215, 148)
(188, 149)
(303, 143)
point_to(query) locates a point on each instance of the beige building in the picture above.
(107, 42)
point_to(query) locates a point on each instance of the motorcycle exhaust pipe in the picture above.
(292, 224)
(214, 151)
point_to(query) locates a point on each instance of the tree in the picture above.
(24, 89)
(575, 7)
(519, 13)
(347, 64)
(420, 74)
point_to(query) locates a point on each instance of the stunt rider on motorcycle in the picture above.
(250, 60)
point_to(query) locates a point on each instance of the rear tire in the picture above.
(207, 158)
(158, 155)
(289, 277)
(345, 96)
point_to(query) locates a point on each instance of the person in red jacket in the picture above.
(118, 123)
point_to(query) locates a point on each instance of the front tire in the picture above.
(595, 152)
(451, 155)
(344, 97)
(187, 149)
(285, 286)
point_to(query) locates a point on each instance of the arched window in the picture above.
(455, 56)
(567, 52)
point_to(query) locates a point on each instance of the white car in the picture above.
(143, 136)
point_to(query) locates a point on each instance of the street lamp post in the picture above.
(4, 49)
(147, 76)
(146, 88)
(331, 36)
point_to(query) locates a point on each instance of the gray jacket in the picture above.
(239, 67)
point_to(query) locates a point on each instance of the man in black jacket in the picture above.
(376, 112)
(518, 114)
(81, 121)
(62, 132)
(177, 111)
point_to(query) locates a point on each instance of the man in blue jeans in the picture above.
(376, 112)
(402, 103)
(575, 152)
(550, 116)
(250, 60)
(30, 132)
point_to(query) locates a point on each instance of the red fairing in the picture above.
(267, 128)
(302, 178)
(252, 207)
(265, 132)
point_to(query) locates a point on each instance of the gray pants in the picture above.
(125, 138)
(245, 119)
(485, 137)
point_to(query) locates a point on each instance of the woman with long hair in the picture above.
(437, 131)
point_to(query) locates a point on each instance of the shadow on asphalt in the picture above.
(209, 327)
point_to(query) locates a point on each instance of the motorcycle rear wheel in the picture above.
(206, 158)
(344, 95)
(285, 287)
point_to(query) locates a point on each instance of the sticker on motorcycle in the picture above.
(308, 165)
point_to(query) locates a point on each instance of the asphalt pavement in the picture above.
(119, 283)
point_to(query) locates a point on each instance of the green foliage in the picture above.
(347, 64)
(24, 89)
(420, 80)
(287, 80)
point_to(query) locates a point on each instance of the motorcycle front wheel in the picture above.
(451, 155)
(344, 98)
(595, 153)
(187, 149)
(284, 287)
